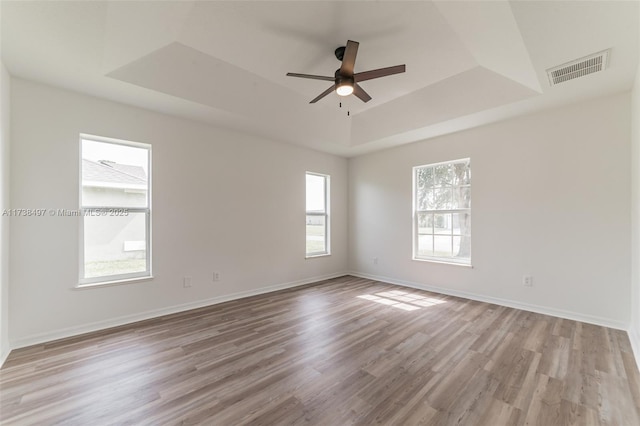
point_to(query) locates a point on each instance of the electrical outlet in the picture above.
(186, 282)
(527, 280)
(216, 276)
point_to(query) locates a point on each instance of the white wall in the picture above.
(5, 93)
(221, 202)
(550, 198)
(634, 329)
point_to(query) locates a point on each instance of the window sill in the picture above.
(313, 256)
(81, 286)
(444, 262)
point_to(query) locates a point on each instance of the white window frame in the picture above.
(327, 209)
(416, 213)
(86, 210)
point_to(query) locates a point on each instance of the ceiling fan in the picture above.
(345, 81)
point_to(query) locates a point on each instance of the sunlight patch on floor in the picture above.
(402, 300)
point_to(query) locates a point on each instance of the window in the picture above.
(442, 212)
(115, 206)
(317, 219)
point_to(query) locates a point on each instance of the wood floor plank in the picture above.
(342, 351)
(499, 413)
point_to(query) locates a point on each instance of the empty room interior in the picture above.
(330, 213)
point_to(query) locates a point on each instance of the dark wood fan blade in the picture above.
(381, 72)
(361, 94)
(349, 58)
(314, 77)
(323, 94)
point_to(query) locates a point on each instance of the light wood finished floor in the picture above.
(343, 351)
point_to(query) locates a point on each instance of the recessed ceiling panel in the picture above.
(136, 28)
(490, 32)
(273, 38)
(189, 74)
(469, 92)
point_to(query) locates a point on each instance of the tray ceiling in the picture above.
(468, 63)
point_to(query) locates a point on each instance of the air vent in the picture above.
(578, 68)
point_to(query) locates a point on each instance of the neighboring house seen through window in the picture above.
(317, 220)
(442, 212)
(115, 200)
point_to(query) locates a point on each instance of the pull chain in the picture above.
(348, 112)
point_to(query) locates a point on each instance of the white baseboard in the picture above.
(3, 356)
(127, 319)
(576, 316)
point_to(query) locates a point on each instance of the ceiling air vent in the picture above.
(578, 68)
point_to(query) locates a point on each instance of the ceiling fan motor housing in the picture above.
(344, 85)
(341, 78)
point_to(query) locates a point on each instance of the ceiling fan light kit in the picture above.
(344, 87)
(345, 81)
(344, 90)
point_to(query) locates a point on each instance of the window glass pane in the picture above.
(442, 245)
(461, 224)
(424, 199)
(93, 196)
(114, 245)
(456, 245)
(315, 193)
(462, 247)
(441, 199)
(425, 223)
(461, 197)
(114, 175)
(461, 173)
(442, 223)
(316, 234)
(442, 175)
(424, 178)
(425, 245)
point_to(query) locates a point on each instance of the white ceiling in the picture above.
(224, 62)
